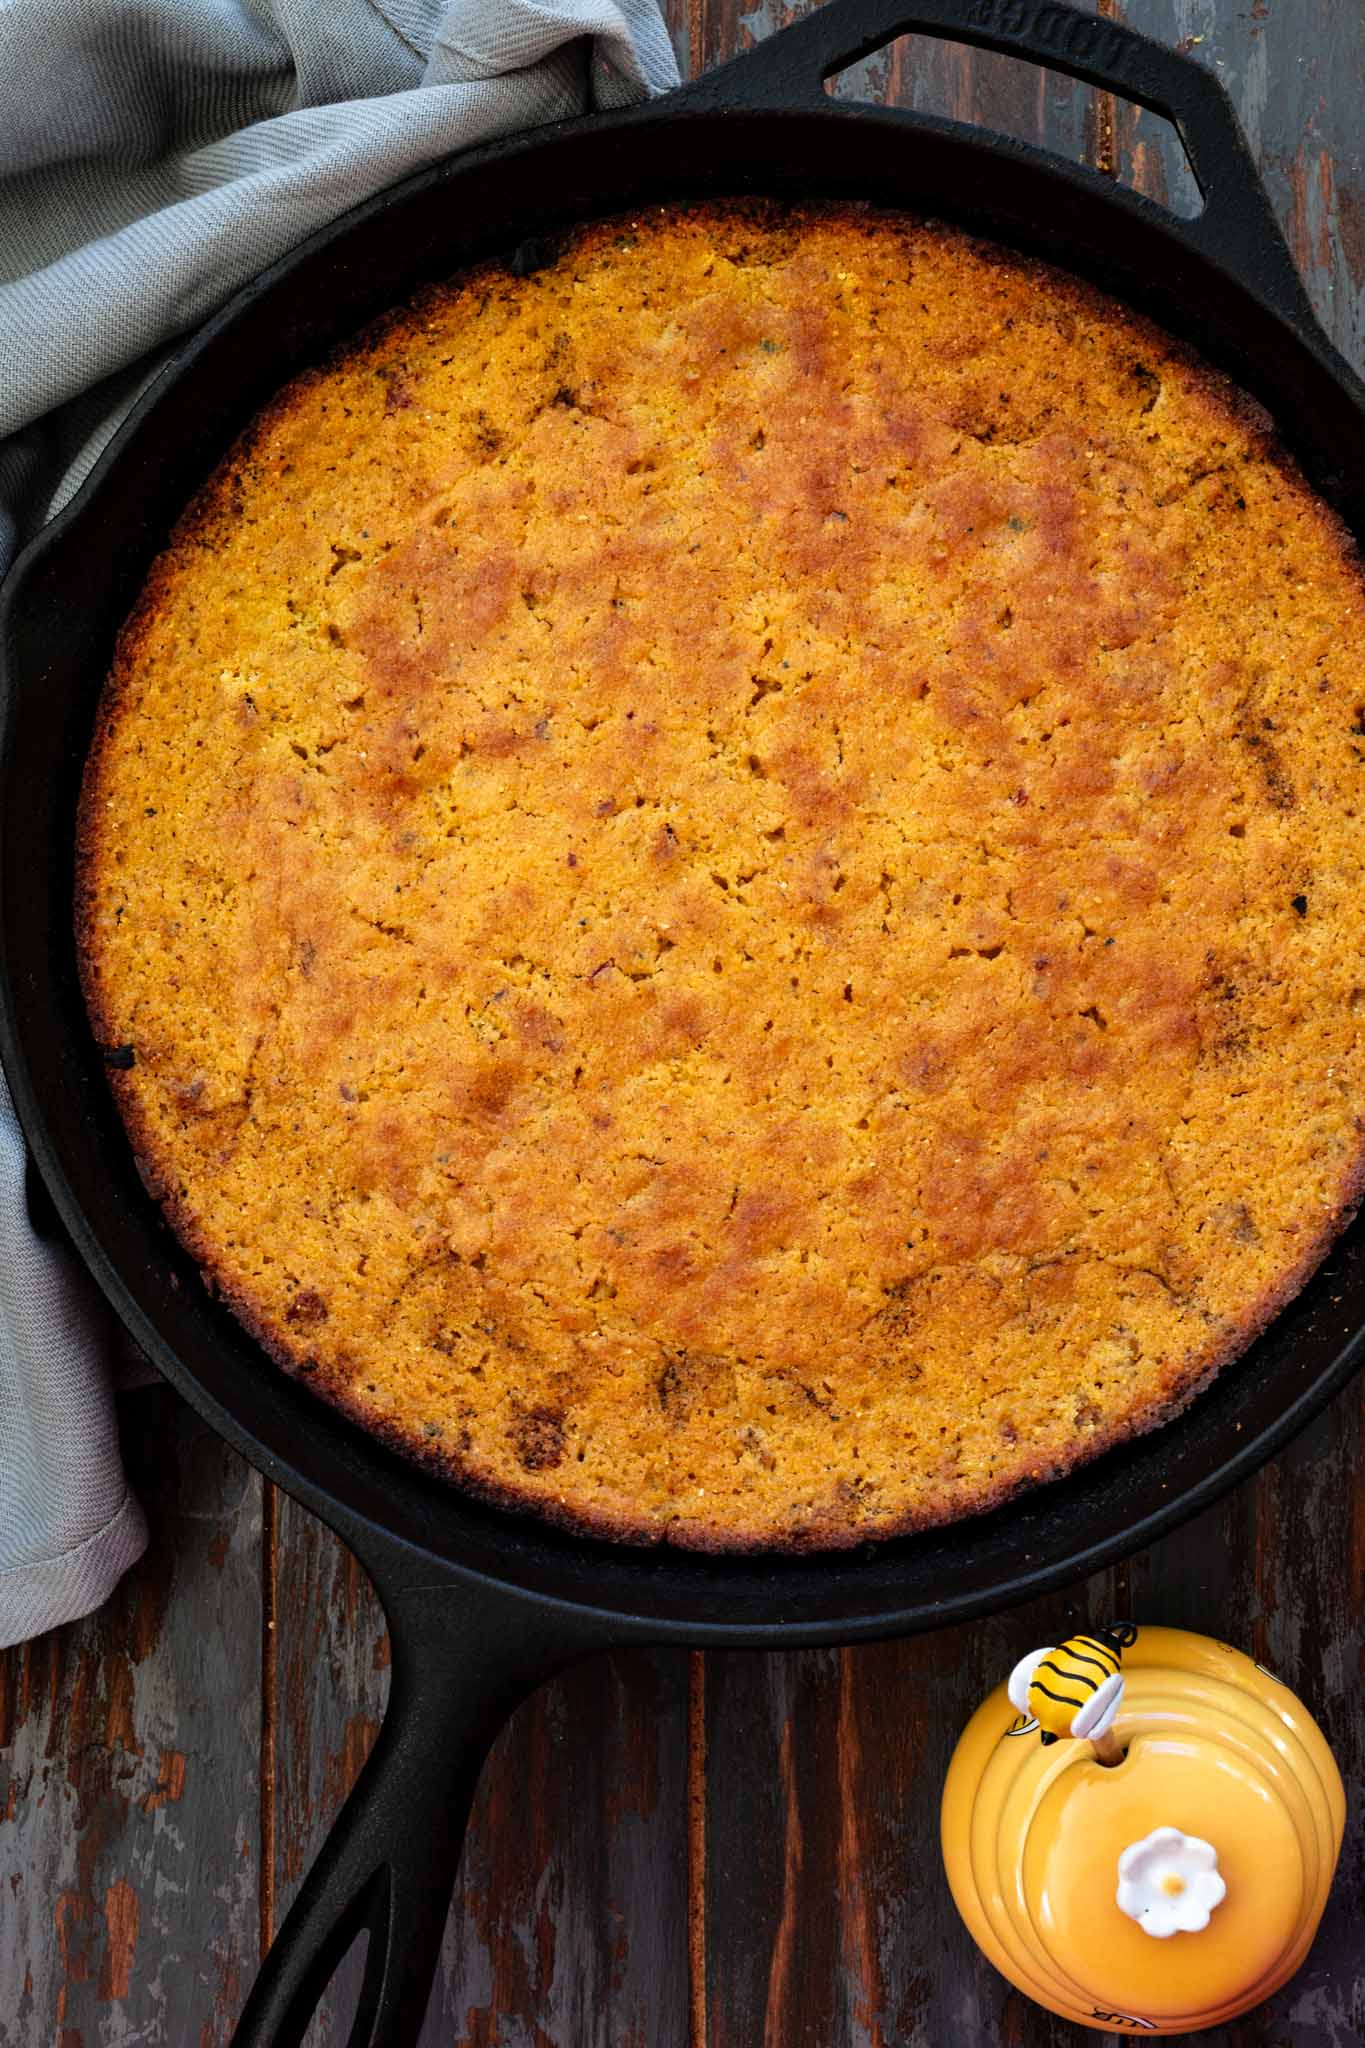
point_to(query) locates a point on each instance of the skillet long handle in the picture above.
(462, 1658)
(1237, 228)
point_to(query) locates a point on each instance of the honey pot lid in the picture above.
(1091, 1820)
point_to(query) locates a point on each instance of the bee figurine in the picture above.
(1074, 1689)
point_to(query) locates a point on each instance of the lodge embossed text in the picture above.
(1088, 39)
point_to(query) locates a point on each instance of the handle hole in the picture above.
(338, 2005)
(1029, 102)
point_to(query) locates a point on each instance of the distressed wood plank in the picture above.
(329, 1658)
(569, 1924)
(830, 1923)
(1296, 73)
(128, 1771)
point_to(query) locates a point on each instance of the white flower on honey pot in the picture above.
(1169, 1883)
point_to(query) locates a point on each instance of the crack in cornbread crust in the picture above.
(800, 618)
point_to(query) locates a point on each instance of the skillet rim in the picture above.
(363, 1473)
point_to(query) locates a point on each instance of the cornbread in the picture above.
(722, 881)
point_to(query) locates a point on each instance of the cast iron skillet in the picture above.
(482, 1604)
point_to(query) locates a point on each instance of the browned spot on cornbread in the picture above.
(724, 880)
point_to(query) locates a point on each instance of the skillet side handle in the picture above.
(1237, 229)
(463, 1656)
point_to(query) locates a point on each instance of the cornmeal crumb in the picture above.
(725, 879)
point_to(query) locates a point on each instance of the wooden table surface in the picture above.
(734, 1850)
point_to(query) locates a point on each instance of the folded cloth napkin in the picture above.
(152, 159)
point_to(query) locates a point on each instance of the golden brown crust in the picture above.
(731, 870)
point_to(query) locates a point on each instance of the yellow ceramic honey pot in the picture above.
(1140, 1831)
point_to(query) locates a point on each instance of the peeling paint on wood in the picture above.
(570, 1921)
(122, 1921)
(329, 1651)
(128, 1772)
(571, 1911)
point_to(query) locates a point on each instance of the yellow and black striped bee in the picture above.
(1074, 1689)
